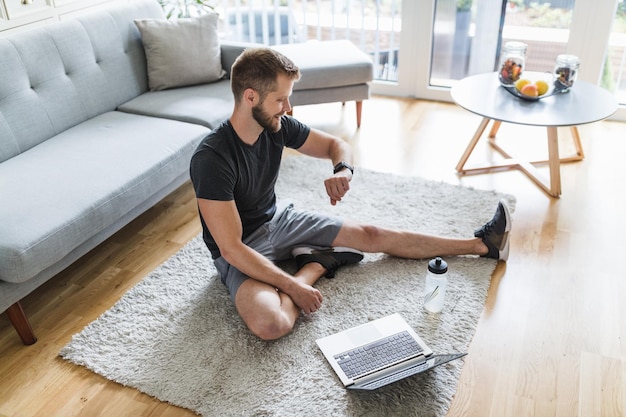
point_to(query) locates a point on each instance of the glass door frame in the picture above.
(589, 17)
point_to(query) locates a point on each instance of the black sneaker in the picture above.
(495, 233)
(331, 258)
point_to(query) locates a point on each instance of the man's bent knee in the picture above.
(260, 308)
(270, 326)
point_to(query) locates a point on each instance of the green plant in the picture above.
(463, 4)
(545, 16)
(185, 8)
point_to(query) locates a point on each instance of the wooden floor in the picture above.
(551, 340)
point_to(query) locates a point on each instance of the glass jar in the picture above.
(512, 62)
(565, 71)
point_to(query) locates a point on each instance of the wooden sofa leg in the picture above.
(18, 319)
(359, 106)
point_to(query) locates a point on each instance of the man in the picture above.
(234, 170)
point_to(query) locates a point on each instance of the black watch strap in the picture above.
(341, 165)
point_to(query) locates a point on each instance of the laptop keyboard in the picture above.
(379, 354)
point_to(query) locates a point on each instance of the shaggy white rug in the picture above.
(176, 335)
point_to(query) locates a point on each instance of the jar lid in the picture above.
(515, 45)
(437, 266)
(568, 59)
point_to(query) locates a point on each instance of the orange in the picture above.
(530, 90)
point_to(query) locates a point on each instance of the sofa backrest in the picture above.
(59, 75)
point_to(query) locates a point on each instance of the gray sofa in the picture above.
(74, 167)
(86, 146)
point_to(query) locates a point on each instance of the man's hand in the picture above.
(324, 145)
(306, 297)
(338, 185)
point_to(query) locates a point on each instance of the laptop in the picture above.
(378, 353)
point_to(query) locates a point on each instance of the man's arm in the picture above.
(323, 145)
(224, 223)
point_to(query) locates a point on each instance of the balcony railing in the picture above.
(372, 25)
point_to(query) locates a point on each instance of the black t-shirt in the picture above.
(224, 168)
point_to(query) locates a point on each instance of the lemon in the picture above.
(519, 84)
(542, 87)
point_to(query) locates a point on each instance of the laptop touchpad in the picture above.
(364, 334)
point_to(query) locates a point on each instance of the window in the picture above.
(420, 48)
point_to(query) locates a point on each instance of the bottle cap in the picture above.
(437, 266)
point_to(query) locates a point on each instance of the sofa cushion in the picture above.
(356, 92)
(328, 64)
(206, 104)
(181, 52)
(80, 182)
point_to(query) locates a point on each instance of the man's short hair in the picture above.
(258, 68)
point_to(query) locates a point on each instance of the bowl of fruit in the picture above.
(532, 90)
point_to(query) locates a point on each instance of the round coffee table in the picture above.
(482, 94)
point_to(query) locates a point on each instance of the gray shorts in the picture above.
(289, 228)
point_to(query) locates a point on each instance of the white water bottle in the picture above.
(436, 283)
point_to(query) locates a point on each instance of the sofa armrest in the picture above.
(230, 50)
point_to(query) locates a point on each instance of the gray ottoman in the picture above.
(332, 71)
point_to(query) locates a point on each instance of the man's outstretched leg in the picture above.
(491, 240)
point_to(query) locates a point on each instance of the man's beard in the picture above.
(264, 120)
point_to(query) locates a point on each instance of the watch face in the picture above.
(342, 165)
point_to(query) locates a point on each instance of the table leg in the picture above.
(552, 187)
(577, 144)
(470, 147)
(555, 161)
(494, 129)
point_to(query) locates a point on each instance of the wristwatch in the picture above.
(341, 165)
